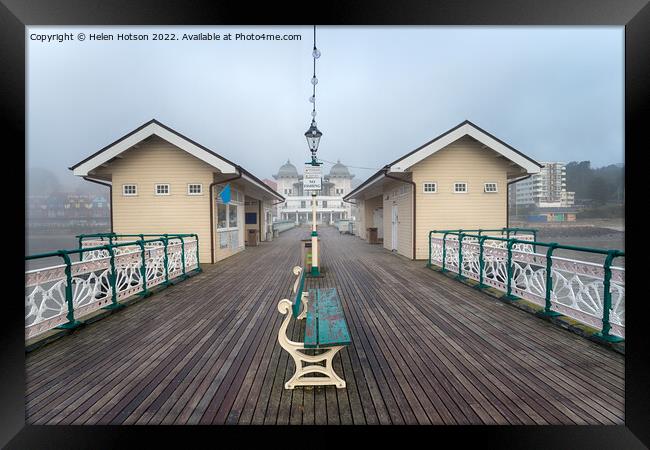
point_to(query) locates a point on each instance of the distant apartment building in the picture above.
(546, 189)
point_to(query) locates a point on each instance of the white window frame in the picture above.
(496, 187)
(424, 187)
(200, 185)
(155, 189)
(461, 192)
(135, 194)
(216, 212)
(234, 194)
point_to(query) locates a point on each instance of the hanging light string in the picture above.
(314, 81)
(313, 53)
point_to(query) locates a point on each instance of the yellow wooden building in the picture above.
(457, 180)
(163, 182)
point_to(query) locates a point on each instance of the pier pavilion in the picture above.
(163, 182)
(457, 180)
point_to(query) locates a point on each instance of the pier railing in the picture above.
(57, 296)
(593, 294)
(283, 225)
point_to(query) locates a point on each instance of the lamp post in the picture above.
(313, 135)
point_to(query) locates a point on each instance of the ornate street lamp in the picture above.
(313, 135)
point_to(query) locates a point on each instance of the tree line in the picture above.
(598, 185)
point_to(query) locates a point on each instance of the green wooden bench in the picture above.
(325, 331)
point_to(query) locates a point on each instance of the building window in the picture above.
(162, 189)
(491, 187)
(129, 189)
(324, 203)
(429, 187)
(460, 188)
(222, 215)
(232, 216)
(194, 189)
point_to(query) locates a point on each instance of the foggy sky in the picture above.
(554, 93)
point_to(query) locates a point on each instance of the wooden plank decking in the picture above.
(425, 349)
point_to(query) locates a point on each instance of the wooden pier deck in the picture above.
(426, 349)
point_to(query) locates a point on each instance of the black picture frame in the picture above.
(633, 14)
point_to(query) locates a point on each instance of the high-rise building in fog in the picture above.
(544, 189)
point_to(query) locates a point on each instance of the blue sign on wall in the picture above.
(251, 218)
(225, 194)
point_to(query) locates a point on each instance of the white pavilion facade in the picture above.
(330, 206)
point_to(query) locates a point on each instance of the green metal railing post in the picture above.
(113, 280)
(165, 241)
(72, 322)
(198, 261)
(444, 251)
(481, 262)
(460, 256)
(549, 282)
(509, 272)
(143, 270)
(429, 260)
(183, 255)
(607, 298)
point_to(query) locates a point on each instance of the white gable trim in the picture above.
(356, 192)
(466, 129)
(140, 135)
(263, 187)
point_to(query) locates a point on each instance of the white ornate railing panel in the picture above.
(175, 259)
(191, 255)
(45, 299)
(46, 304)
(577, 286)
(155, 258)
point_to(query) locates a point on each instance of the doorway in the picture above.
(394, 222)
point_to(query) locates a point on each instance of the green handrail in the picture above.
(183, 255)
(549, 281)
(72, 322)
(480, 232)
(460, 256)
(143, 269)
(166, 260)
(607, 298)
(543, 244)
(481, 261)
(113, 278)
(610, 255)
(198, 261)
(444, 251)
(509, 271)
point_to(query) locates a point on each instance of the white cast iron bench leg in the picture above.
(296, 349)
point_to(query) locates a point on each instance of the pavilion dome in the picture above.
(340, 170)
(288, 170)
